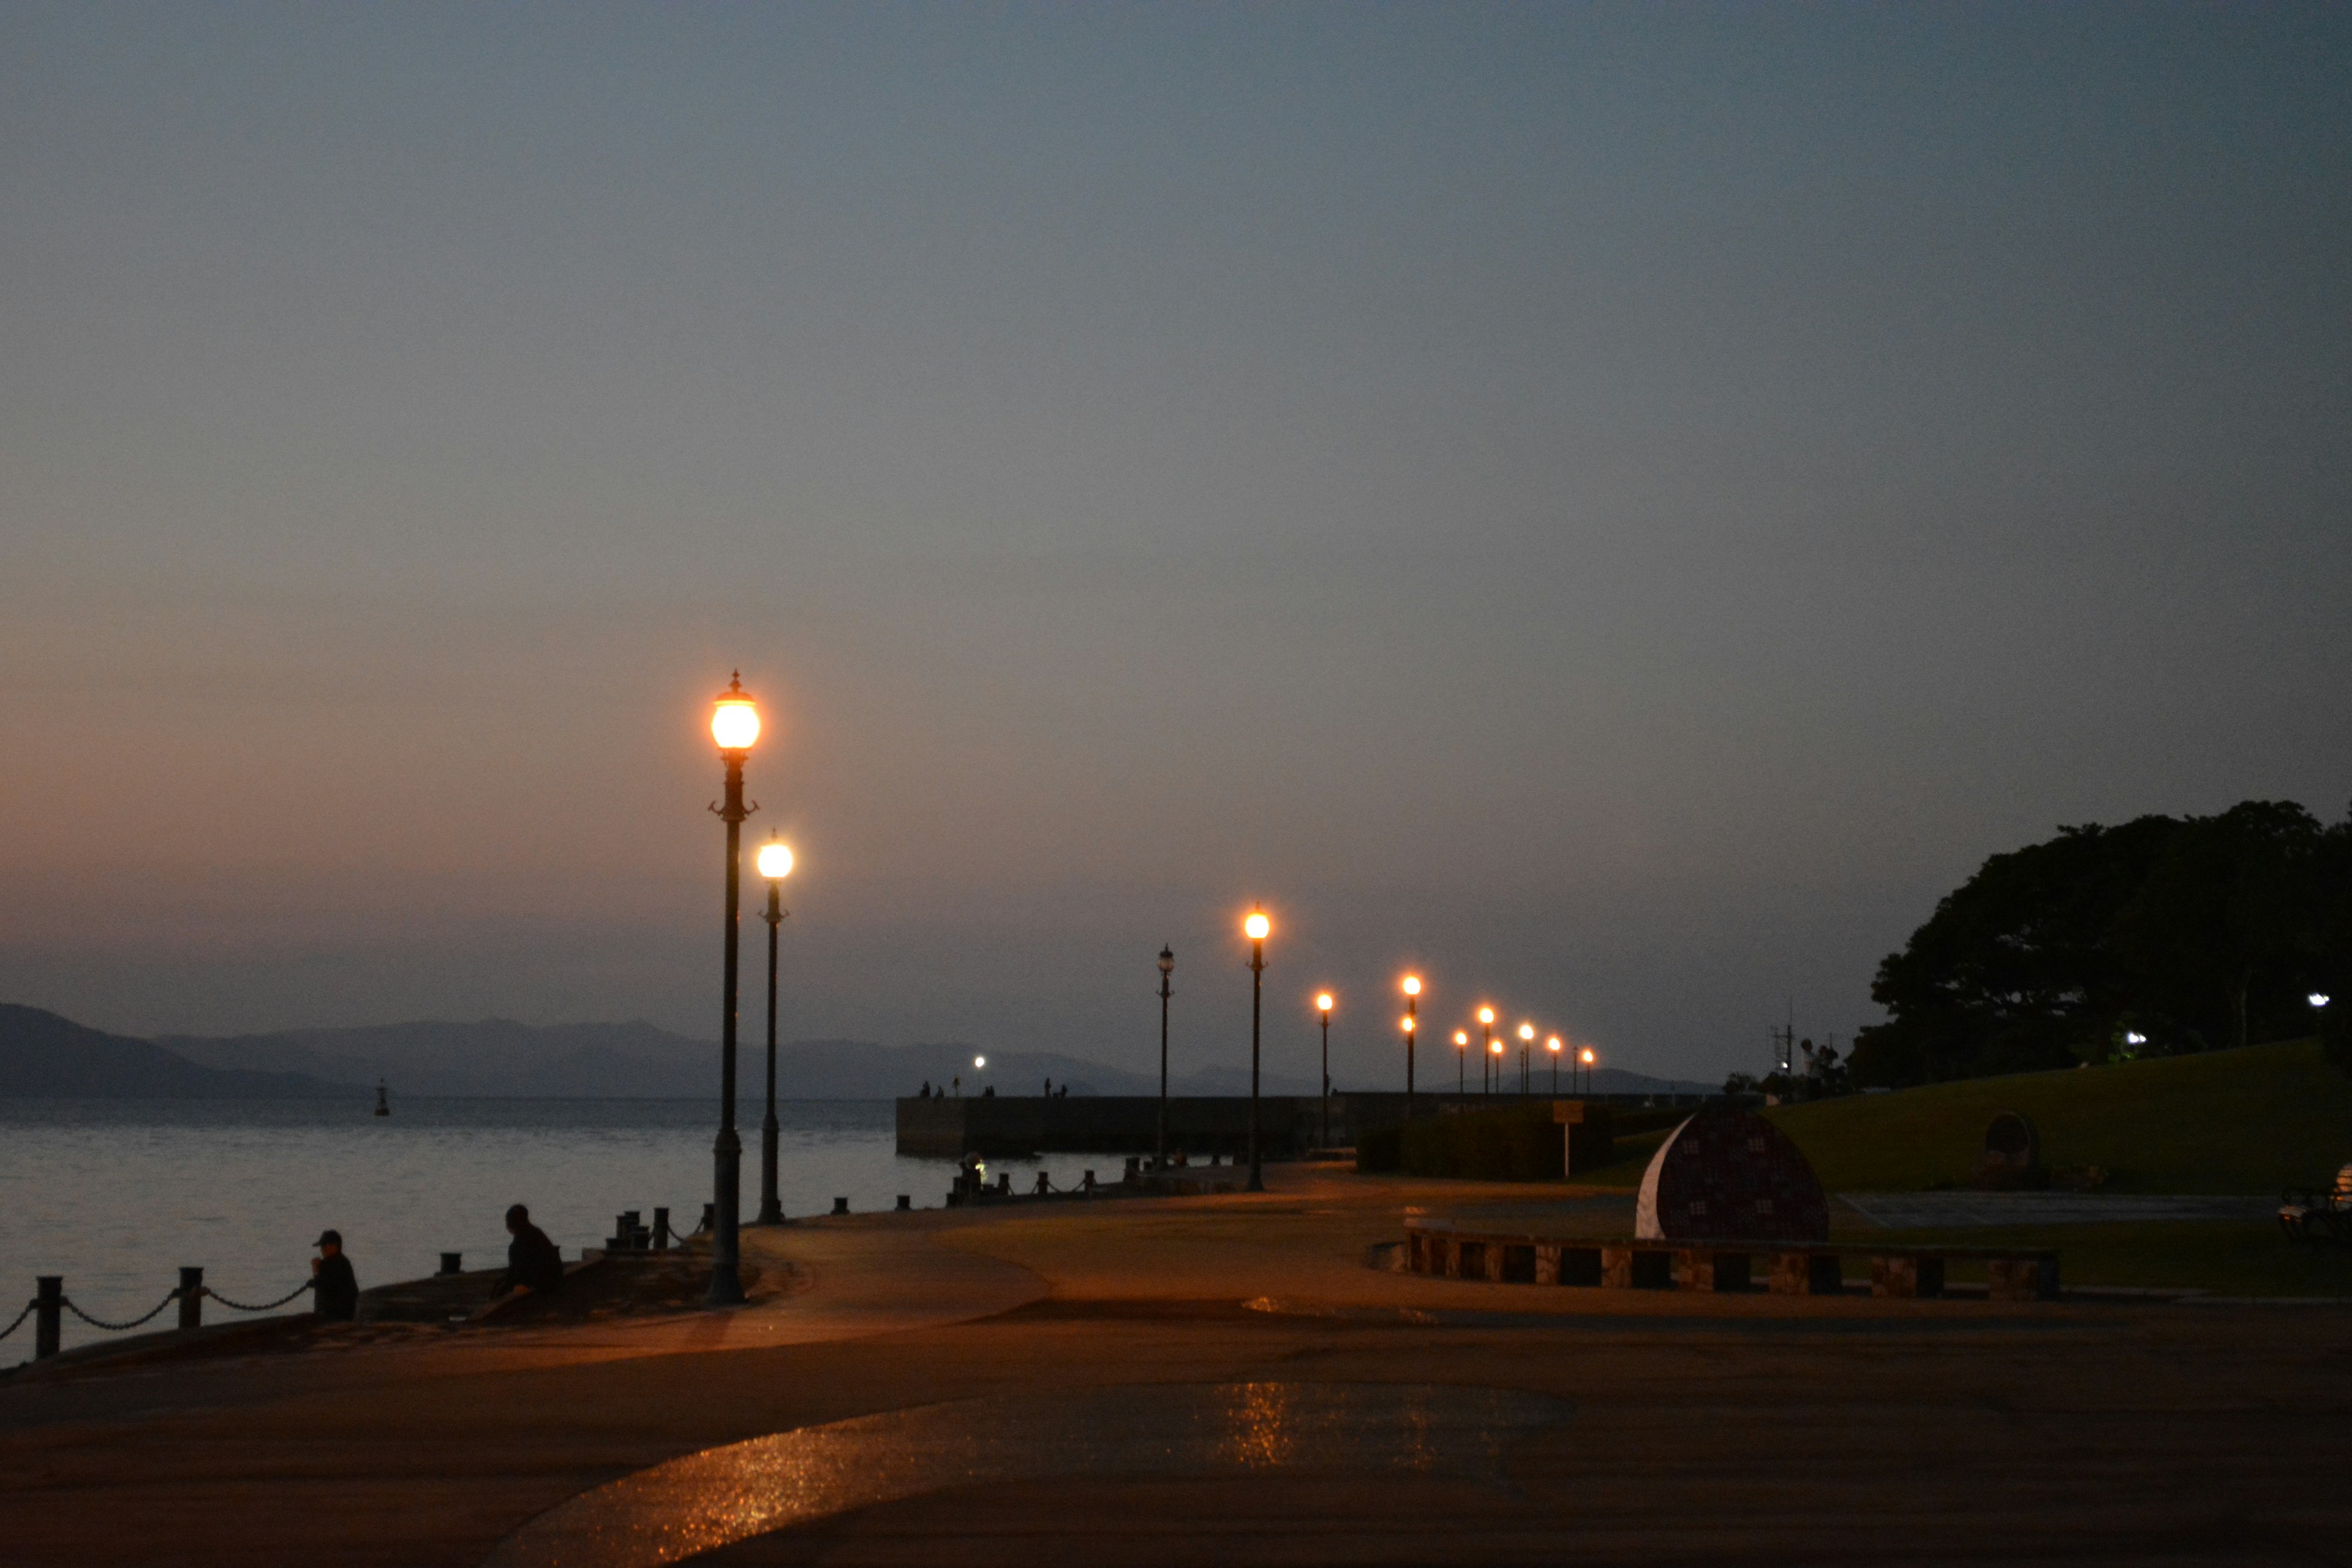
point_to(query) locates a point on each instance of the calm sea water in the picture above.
(116, 1195)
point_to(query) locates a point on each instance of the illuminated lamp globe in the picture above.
(977, 1063)
(735, 718)
(1323, 1001)
(1413, 985)
(2317, 998)
(1462, 1037)
(1585, 1056)
(1552, 1045)
(775, 860)
(1256, 926)
(1496, 1047)
(1485, 1014)
(1406, 1023)
(1527, 1031)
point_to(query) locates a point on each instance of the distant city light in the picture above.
(2134, 1037)
(2317, 998)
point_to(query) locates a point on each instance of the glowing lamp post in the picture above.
(1255, 929)
(1461, 1061)
(1552, 1045)
(735, 726)
(1323, 1007)
(1411, 1029)
(1526, 1043)
(1167, 968)
(775, 862)
(1585, 1060)
(1486, 1050)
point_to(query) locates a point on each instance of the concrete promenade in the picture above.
(1205, 1380)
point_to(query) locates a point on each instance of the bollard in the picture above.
(631, 1226)
(49, 1314)
(622, 1224)
(452, 1263)
(661, 1230)
(906, 1204)
(192, 1297)
(840, 1205)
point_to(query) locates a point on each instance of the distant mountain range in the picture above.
(42, 1054)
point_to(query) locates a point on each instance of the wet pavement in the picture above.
(729, 1494)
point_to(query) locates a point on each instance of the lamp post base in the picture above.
(771, 1209)
(726, 1274)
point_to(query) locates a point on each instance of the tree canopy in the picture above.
(2162, 935)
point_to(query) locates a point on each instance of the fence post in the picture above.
(661, 1230)
(453, 1263)
(192, 1297)
(49, 1314)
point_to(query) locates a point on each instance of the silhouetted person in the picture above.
(927, 1090)
(334, 1288)
(988, 1093)
(534, 1267)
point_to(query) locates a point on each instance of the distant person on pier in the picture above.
(927, 1090)
(1049, 1088)
(334, 1288)
(534, 1267)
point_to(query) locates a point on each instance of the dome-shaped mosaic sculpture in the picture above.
(1729, 1175)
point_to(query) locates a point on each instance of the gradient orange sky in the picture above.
(1618, 509)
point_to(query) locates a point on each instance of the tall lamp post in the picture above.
(1584, 1058)
(1527, 1043)
(1256, 926)
(1552, 1045)
(735, 725)
(1167, 968)
(1323, 1007)
(1461, 1061)
(775, 862)
(1485, 1051)
(1412, 1028)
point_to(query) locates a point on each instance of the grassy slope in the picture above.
(2232, 1122)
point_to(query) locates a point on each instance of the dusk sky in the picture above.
(1619, 508)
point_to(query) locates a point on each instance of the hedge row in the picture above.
(1516, 1144)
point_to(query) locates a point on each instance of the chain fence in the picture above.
(20, 1320)
(264, 1307)
(68, 1302)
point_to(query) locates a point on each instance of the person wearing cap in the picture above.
(334, 1289)
(534, 1267)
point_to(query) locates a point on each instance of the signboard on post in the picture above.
(1570, 1114)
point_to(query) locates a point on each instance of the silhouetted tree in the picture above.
(2194, 934)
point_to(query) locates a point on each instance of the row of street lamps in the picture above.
(735, 727)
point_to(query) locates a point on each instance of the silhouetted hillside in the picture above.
(45, 1056)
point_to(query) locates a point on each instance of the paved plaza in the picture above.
(1216, 1380)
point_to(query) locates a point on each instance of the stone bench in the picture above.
(1786, 1268)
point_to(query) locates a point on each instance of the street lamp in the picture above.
(735, 726)
(1167, 968)
(1255, 927)
(1412, 1028)
(1552, 1045)
(1323, 1007)
(1526, 1041)
(1486, 1039)
(1461, 1061)
(775, 862)
(1584, 1057)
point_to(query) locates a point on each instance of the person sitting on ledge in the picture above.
(334, 1289)
(534, 1266)
(927, 1090)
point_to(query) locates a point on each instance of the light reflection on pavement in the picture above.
(708, 1500)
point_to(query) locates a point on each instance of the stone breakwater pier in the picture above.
(1289, 1125)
